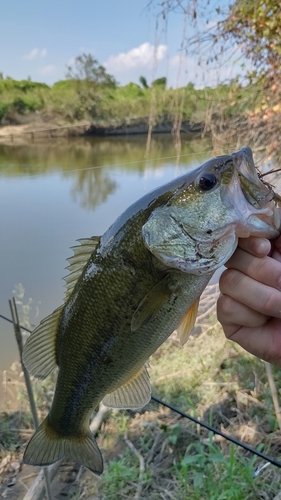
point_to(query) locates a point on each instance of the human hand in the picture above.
(249, 307)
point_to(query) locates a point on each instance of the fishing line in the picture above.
(273, 171)
(219, 433)
(117, 165)
(202, 424)
(10, 321)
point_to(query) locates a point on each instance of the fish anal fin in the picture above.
(187, 323)
(78, 261)
(135, 393)
(151, 304)
(47, 447)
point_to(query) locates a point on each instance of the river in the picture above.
(53, 193)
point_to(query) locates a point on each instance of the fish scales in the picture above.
(139, 282)
(118, 306)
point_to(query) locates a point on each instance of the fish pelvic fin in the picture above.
(47, 447)
(39, 352)
(187, 323)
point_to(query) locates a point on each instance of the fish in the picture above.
(129, 289)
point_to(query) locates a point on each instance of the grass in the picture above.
(155, 454)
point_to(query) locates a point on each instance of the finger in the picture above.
(266, 270)
(263, 341)
(277, 243)
(232, 314)
(258, 296)
(259, 247)
(276, 249)
(276, 255)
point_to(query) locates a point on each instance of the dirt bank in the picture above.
(42, 130)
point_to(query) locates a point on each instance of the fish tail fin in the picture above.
(46, 447)
(85, 450)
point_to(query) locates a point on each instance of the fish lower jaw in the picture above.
(260, 225)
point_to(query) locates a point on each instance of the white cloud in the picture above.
(141, 56)
(185, 69)
(48, 70)
(34, 53)
(71, 61)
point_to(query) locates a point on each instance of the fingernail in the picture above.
(262, 247)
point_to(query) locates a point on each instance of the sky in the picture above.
(38, 39)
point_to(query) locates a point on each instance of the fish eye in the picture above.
(207, 182)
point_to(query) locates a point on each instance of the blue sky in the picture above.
(39, 38)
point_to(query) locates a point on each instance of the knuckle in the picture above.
(271, 303)
(224, 307)
(262, 268)
(229, 279)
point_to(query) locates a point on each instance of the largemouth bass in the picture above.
(128, 290)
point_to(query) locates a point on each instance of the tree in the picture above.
(190, 86)
(143, 82)
(92, 85)
(256, 26)
(87, 68)
(251, 28)
(160, 82)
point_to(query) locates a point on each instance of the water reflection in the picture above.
(86, 161)
(52, 194)
(92, 187)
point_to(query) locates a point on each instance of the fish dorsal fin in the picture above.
(77, 262)
(151, 304)
(187, 323)
(135, 393)
(39, 353)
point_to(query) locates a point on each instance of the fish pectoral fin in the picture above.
(151, 304)
(135, 393)
(39, 352)
(47, 447)
(187, 323)
(77, 262)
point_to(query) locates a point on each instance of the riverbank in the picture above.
(34, 130)
(71, 108)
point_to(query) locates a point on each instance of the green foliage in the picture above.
(256, 26)
(4, 107)
(76, 99)
(21, 85)
(64, 85)
(205, 467)
(87, 68)
(190, 86)
(160, 82)
(92, 85)
(143, 82)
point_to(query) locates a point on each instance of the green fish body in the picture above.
(130, 289)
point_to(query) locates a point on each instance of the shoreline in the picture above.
(34, 131)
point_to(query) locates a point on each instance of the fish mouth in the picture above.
(261, 224)
(252, 199)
